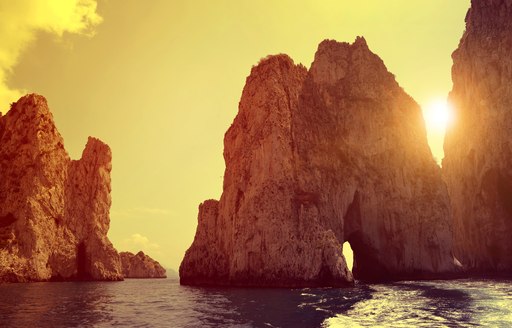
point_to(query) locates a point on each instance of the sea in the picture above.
(164, 303)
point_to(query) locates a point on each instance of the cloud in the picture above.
(138, 242)
(21, 20)
(140, 213)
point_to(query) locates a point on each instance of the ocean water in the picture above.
(164, 303)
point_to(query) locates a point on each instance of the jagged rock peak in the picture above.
(352, 68)
(30, 112)
(30, 122)
(360, 42)
(489, 14)
(32, 103)
(96, 153)
(97, 148)
(54, 212)
(273, 67)
(273, 61)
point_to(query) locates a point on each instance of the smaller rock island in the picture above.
(141, 265)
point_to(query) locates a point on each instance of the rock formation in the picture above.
(317, 158)
(141, 266)
(478, 146)
(54, 212)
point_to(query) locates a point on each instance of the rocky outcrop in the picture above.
(141, 265)
(478, 146)
(315, 159)
(54, 212)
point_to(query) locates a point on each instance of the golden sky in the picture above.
(160, 81)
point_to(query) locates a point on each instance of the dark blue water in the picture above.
(164, 303)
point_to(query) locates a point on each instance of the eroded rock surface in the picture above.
(54, 212)
(478, 146)
(141, 265)
(316, 158)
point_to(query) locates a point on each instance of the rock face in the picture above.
(54, 212)
(317, 158)
(478, 146)
(141, 266)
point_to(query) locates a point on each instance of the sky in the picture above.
(160, 81)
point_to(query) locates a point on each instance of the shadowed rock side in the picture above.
(141, 265)
(363, 155)
(54, 212)
(478, 147)
(316, 158)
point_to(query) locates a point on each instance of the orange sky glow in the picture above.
(160, 81)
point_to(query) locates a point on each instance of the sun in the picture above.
(438, 115)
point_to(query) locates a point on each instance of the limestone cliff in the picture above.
(478, 146)
(141, 265)
(54, 212)
(317, 158)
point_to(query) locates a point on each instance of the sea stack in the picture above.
(316, 158)
(54, 212)
(141, 265)
(478, 147)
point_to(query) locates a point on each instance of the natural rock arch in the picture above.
(315, 158)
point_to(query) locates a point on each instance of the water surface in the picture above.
(164, 303)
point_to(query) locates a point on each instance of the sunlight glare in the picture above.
(438, 115)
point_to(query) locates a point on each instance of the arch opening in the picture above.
(365, 265)
(348, 253)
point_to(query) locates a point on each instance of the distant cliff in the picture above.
(478, 147)
(141, 266)
(316, 158)
(54, 212)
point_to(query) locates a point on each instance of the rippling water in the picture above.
(164, 303)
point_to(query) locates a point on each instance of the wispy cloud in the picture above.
(140, 213)
(21, 20)
(138, 242)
